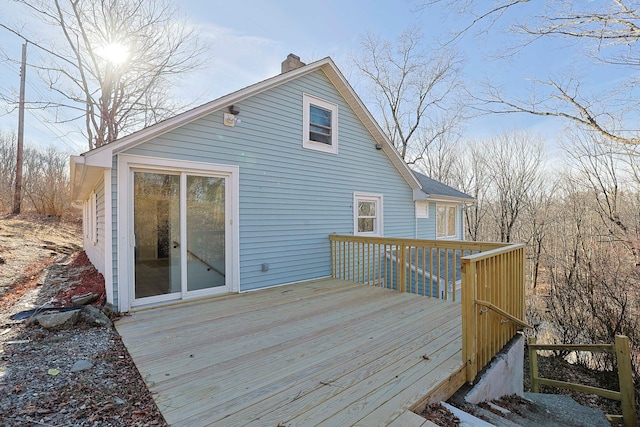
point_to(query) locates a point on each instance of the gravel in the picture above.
(38, 385)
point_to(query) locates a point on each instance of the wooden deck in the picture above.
(326, 352)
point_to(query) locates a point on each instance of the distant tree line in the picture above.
(45, 185)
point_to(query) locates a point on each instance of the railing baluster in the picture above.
(446, 274)
(424, 270)
(431, 273)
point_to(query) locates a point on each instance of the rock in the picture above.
(57, 320)
(93, 316)
(108, 309)
(84, 299)
(2, 261)
(81, 365)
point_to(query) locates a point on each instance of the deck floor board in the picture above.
(326, 352)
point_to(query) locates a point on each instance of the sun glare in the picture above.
(115, 53)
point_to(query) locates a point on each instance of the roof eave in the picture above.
(102, 156)
(450, 199)
(84, 177)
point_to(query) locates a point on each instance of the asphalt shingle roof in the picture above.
(436, 188)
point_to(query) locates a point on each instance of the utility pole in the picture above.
(17, 194)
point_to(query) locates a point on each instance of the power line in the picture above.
(60, 136)
(36, 44)
(38, 114)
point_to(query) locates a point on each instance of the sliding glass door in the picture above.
(156, 219)
(205, 232)
(179, 223)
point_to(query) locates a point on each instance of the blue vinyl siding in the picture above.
(291, 198)
(426, 227)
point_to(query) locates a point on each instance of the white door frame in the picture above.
(126, 238)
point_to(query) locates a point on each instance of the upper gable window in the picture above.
(320, 119)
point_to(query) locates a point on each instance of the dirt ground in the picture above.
(40, 384)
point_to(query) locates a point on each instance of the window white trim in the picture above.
(307, 102)
(91, 218)
(108, 239)
(378, 223)
(445, 232)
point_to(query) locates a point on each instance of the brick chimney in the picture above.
(291, 63)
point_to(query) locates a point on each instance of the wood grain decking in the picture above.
(327, 353)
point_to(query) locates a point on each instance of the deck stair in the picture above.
(549, 410)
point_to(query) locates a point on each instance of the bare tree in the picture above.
(440, 159)
(601, 171)
(470, 175)
(47, 181)
(414, 92)
(114, 61)
(592, 282)
(46, 178)
(607, 31)
(8, 144)
(536, 224)
(514, 162)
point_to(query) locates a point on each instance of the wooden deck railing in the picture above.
(425, 267)
(487, 278)
(625, 376)
(493, 303)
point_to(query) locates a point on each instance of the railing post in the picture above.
(469, 319)
(533, 366)
(625, 377)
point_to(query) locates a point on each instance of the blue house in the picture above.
(242, 193)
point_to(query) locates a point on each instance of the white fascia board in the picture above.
(102, 159)
(450, 199)
(83, 177)
(77, 171)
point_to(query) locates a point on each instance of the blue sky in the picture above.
(248, 40)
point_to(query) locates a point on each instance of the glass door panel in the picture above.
(156, 218)
(206, 235)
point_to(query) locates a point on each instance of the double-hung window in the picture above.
(320, 123)
(367, 214)
(446, 221)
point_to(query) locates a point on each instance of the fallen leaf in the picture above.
(53, 372)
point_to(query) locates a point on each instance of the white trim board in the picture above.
(126, 163)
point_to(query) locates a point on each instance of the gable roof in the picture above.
(89, 166)
(436, 190)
